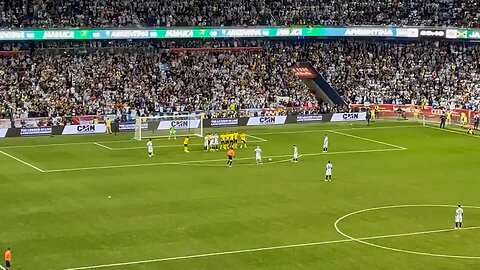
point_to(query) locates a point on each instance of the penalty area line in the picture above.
(22, 161)
(257, 138)
(367, 139)
(103, 146)
(212, 160)
(204, 255)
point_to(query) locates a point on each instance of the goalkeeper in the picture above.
(172, 133)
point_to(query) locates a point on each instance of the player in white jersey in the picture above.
(150, 148)
(210, 142)
(214, 142)
(325, 143)
(295, 153)
(458, 217)
(328, 171)
(258, 155)
(206, 143)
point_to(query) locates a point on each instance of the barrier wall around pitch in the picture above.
(153, 126)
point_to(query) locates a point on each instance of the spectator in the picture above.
(223, 79)
(123, 13)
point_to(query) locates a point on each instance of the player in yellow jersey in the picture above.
(227, 141)
(230, 139)
(108, 124)
(235, 139)
(416, 114)
(222, 140)
(449, 117)
(185, 144)
(243, 138)
(464, 119)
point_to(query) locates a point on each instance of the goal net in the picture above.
(161, 126)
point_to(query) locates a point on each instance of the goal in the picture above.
(159, 126)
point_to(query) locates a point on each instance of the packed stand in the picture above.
(152, 78)
(107, 82)
(122, 13)
(440, 74)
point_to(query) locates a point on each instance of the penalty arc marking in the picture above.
(363, 240)
(241, 251)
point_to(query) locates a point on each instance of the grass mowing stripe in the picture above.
(23, 162)
(367, 139)
(263, 249)
(211, 160)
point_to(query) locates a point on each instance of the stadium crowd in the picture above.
(165, 77)
(123, 13)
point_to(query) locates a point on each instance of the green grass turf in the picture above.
(64, 219)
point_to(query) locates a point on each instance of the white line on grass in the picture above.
(260, 249)
(453, 131)
(367, 139)
(60, 144)
(260, 134)
(258, 138)
(362, 240)
(3, 268)
(155, 146)
(211, 160)
(168, 146)
(103, 146)
(339, 129)
(23, 162)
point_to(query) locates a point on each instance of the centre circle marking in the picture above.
(359, 240)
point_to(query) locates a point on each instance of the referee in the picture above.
(231, 155)
(8, 259)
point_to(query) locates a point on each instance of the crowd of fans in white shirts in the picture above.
(123, 13)
(149, 78)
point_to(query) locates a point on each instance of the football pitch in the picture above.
(99, 201)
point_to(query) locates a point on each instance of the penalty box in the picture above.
(112, 160)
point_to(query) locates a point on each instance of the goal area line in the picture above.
(103, 145)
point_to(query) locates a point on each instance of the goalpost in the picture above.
(159, 126)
